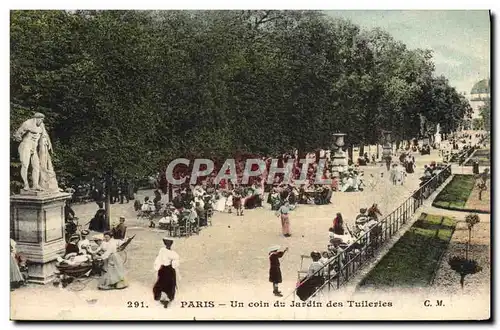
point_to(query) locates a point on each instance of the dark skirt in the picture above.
(237, 202)
(252, 202)
(309, 287)
(409, 167)
(338, 229)
(275, 275)
(166, 282)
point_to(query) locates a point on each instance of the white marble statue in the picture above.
(34, 149)
(437, 137)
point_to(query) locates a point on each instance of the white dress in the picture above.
(229, 201)
(220, 205)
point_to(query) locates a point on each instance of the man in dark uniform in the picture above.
(120, 230)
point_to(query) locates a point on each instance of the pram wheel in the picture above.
(123, 255)
(77, 285)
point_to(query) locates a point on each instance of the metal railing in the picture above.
(345, 265)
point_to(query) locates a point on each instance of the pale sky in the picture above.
(459, 39)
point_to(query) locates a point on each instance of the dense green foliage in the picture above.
(415, 257)
(130, 90)
(485, 112)
(477, 124)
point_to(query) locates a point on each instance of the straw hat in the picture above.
(274, 248)
(98, 237)
(167, 241)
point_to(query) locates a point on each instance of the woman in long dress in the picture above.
(166, 265)
(283, 213)
(220, 205)
(16, 277)
(314, 278)
(338, 224)
(114, 272)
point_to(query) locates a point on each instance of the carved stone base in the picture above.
(37, 226)
(339, 163)
(386, 151)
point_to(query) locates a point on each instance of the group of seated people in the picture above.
(80, 249)
(430, 171)
(238, 197)
(342, 244)
(351, 180)
(365, 159)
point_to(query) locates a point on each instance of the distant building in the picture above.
(479, 93)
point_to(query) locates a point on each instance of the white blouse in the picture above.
(166, 257)
(108, 248)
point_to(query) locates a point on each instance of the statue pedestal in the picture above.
(386, 151)
(37, 226)
(338, 159)
(339, 163)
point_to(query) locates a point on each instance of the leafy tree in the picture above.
(485, 112)
(125, 92)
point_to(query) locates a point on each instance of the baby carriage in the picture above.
(76, 276)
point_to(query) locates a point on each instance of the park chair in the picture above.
(302, 272)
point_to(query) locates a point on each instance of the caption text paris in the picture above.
(265, 304)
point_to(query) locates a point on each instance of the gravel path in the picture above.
(446, 278)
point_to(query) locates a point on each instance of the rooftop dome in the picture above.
(481, 87)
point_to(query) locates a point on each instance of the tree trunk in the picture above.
(108, 201)
(361, 150)
(462, 278)
(398, 143)
(350, 152)
(170, 193)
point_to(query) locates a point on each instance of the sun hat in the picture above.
(274, 248)
(98, 237)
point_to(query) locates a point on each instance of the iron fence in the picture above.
(345, 265)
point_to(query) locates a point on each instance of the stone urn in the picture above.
(339, 140)
(387, 138)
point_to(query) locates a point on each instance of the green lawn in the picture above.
(483, 155)
(414, 258)
(456, 193)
